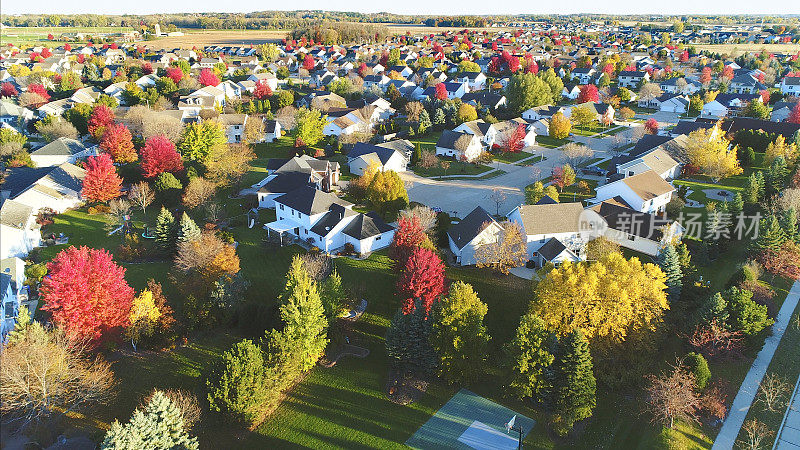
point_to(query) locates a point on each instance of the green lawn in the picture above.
(511, 157)
(550, 142)
(456, 168)
(572, 193)
(612, 131)
(592, 129)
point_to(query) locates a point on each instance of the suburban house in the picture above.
(476, 81)
(485, 131)
(55, 187)
(745, 84)
(635, 230)
(348, 120)
(582, 75)
(19, 232)
(658, 160)
(286, 175)
(680, 85)
(571, 91)
(727, 104)
(234, 126)
(459, 145)
(14, 115)
(476, 229)
(272, 130)
(13, 294)
(632, 78)
(552, 231)
(645, 192)
(265, 77)
(790, 86)
(781, 111)
(324, 220)
(674, 103)
(541, 112)
(454, 90)
(485, 99)
(62, 150)
(382, 158)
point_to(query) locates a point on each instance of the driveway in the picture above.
(460, 197)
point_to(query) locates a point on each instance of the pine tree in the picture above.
(770, 234)
(736, 206)
(789, 224)
(333, 296)
(417, 155)
(21, 327)
(761, 184)
(574, 389)
(777, 175)
(238, 384)
(408, 341)
(669, 262)
(159, 425)
(187, 229)
(304, 316)
(424, 122)
(529, 357)
(752, 190)
(166, 230)
(458, 334)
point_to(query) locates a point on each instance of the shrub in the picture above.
(98, 209)
(698, 365)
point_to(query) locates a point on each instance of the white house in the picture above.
(265, 77)
(272, 130)
(635, 230)
(541, 112)
(19, 232)
(55, 187)
(485, 131)
(644, 192)
(234, 126)
(459, 145)
(549, 221)
(478, 228)
(658, 160)
(728, 104)
(790, 86)
(13, 293)
(582, 75)
(62, 150)
(476, 81)
(381, 157)
(632, 78)
(324, 220)
(571, 91)
(286, 175)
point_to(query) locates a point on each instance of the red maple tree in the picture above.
(309, 63)
(422, 279)
(515, 141)
(705, 75)
(158, 156)
(147, 68)
(651, 126)
(409, 236)
(118, 142)
(588, 94)
(8, 90)
(262, 90)
(101, 182)
(441, 91)
(39, 89)
(362, 70)
(208, 78)
(102, 116)
(175, 73)
(794, 115)
(46, 53)
(86, 292)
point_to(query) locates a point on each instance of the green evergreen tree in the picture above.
(417, 155)
(303, 315)
(770, 234)
(21, 326)
(776, 175)
(713, 308)
(574, 389)
(789, 224)
(698, 365)
(684, 256)
(238, 385)
(528, 358)
(736, 206)
(458, 335)
(424, 122)
(761, 184)
(439, 118)
(669, 262)
(187, 229)
(408, 341)
(745, 314)
(159, 426)
(752, 189)
(166, 230)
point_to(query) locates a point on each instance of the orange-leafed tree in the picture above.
(118, 142)
(101, 182)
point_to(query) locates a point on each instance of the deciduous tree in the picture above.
(708, 151)
(201, 140)
(101, 182)
(158, 156)
(86, 293)
(672, 396)
(510, 250)
(102, 117)
(118, 142)
(422, 279)
(208, 78)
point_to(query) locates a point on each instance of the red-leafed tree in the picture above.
(46, 53)
(118, 143)
(262, 90)
(422, 279)
(495, 65)
(102, 117)
(514, 142)
(409, 236)
(8, 90)
(309, 63)
(208, 78)
(362, 70)
(513, 64)
(705, 75)
(175, 73)
(86, 292)
(588, 94)
(101, 182)
(727, 72)
(39, 89)
(532, 67)
(794, 115)
(81, 58)
(67, 47)
(784, 262)
(651, 126)
(608, 69)
(684, 56)
(50, 36)
(147, 68)
(441, 91)
(764, 96)
(158, 156)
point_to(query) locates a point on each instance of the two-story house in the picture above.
(646, 192)
(459, 145)
(552, 231)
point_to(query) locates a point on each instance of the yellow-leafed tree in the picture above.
(144, 317)
(710, 152)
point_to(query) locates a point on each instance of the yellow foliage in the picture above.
(609, 299)
(144, 308)
(709, 151)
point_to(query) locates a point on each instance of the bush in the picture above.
(98, 209)
(168, 188)
(349, 249)
(698, 365)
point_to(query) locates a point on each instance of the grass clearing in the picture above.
(550, 142)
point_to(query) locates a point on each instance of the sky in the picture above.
(471, 7)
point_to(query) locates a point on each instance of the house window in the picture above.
(305, 231)
(378, 238)
(631, 237)
(281, 207)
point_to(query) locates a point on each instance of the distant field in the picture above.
(738, 49)
(201, 38)
(38, 35)
(401, 28)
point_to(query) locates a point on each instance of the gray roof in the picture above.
(15, 214)
(470, 226)
(20, 179)
(551, 249)
(550, 218)
(366, 225)
(451, 139)
(60, 147)
(310, 201)
(362, 149)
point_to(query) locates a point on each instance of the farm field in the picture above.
(738, 49)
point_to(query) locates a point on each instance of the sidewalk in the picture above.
(747, 392)
(789, 434)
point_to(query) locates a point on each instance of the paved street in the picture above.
(789, 435)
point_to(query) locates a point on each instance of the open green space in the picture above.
(550, 142)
